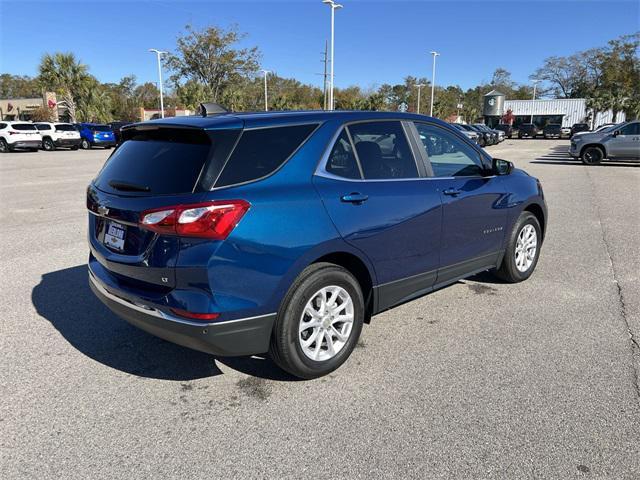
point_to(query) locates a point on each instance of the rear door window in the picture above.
(383, 150)
(261, 151)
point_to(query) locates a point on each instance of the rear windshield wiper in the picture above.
(128, 187)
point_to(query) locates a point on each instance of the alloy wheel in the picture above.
(326, 323)
(526, 248)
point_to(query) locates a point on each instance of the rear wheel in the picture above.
(85, 144)
(75, 147)
(523, 250)
(4, 147)
(592, 156)
(319, 322)
(47, 144)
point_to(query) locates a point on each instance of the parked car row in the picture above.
(23, 135)
(480, 133)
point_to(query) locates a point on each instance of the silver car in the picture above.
(618, 142)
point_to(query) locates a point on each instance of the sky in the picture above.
(376, 42)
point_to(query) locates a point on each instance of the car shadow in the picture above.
(65, 299)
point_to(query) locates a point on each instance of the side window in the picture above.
(342, 161)
(449, 156)
(631, 129)
(3, 126)
(383, 150)
(261, 151)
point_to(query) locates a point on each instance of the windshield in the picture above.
(65, 127)
(610, 128)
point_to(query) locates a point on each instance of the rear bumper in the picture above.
(26, 144)
(67, 142)
(103, 143)
(245, 336)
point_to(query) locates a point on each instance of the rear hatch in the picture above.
(102, 133)
(155, 167)
(66, 131)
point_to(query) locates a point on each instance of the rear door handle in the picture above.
(355, 197)
(452, 191)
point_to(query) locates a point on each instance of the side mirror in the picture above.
(616, 133)
(501, 167)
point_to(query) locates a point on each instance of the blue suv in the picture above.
(95, 135)
(242, 234)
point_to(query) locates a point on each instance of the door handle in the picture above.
(452, 191)
(355, 198)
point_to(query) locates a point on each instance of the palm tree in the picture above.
(66, 75)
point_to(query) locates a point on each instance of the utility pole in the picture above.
(266, 106)
(158, 54)
(419, 85)
(324, 76)
(433, 80)
(535, 84)
(334, 6)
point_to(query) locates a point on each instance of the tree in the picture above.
(19, 86)
(42, 114)
(211, 58)
(67, 76)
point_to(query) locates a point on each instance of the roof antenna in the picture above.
(210, 109)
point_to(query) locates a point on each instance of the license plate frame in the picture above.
(114, 236)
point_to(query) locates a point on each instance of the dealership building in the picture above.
(563, 111)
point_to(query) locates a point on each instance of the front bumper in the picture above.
(26, 144)
(245, 336)
(574, 150)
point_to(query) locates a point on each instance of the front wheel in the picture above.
(47, 144)
(523, 250)
(592, 156)
(85, 144)
(319, 322)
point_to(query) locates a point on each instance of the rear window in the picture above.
(262, 151)
(159, 161)
(100, 128)
(23, 126)
(65, 128)
(43, 126)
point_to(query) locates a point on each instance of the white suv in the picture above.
(15, 135)
(58, 135)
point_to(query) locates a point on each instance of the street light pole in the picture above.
(334, 6)
(433, 80)
(158, 54)
(266, 72)
(535, 84)
(419, 85)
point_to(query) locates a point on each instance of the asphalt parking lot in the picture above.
(478, 380)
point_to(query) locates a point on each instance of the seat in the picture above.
(370, 156)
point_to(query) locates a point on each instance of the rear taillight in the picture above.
(214, 220)
(195, 316)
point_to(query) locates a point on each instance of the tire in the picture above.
(75, 147)
(48, 145)
(510, 270)
(85, 144)
(108, 148)
(286, 347)
(4, 147)
(482, 142)
(592, 156)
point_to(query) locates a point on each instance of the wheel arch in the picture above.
(359, 269)
(539, 213)
(599, 146)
